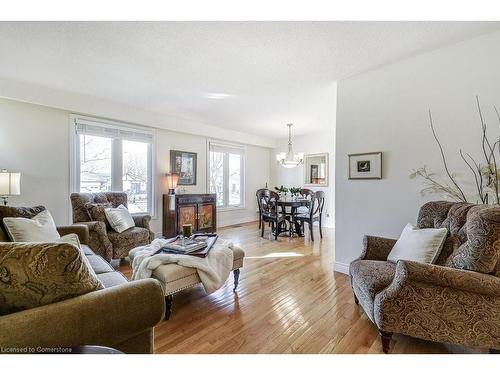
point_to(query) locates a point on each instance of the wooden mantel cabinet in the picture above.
(198, 210)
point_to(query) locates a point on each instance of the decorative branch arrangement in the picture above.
(486, 173)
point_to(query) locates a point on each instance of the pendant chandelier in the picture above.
(288, 159)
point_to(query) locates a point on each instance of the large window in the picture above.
(113, 157)
(226, 174)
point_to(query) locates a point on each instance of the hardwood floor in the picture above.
(289, 300)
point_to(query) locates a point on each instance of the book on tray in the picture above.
(198, 245)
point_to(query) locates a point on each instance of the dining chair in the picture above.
(315, 213)
(268, 212)
(257, 194)
(306, 193)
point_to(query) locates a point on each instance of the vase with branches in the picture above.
(485, 171)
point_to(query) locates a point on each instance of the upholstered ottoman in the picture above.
(175, 278)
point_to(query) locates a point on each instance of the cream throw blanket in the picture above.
(213, 270)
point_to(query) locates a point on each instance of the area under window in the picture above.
(111, 157)
(226, 174)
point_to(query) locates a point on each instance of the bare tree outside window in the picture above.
(95, 164)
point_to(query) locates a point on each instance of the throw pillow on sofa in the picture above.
(40, 228)
(419, 245)
(9, 211)
(119, 218)
(37, 274)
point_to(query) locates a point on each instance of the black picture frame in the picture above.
(184, 163)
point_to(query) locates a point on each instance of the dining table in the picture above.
(294, 204)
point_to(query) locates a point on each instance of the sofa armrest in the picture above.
(106, 317)
(98, 239)
(142, 220)
(376, 248)
(446, 277)
(82, 231)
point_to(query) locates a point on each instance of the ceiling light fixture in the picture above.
(288, 159)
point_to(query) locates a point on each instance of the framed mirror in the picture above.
(316, 169)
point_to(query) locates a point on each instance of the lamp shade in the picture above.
(10, 183)
(172, 180)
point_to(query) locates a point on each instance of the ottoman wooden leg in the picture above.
(236, 274)
(168, 306)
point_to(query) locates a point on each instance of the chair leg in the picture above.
(262, 230)
(311, 230)
(168, 306)
(276, 231)
(320, 229)
(236, 274)
(386, 340)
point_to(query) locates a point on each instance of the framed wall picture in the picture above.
(184, 163)
(365, 166)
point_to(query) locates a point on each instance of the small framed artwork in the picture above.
(365, 166)
(184, 163)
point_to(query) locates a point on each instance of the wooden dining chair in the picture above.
(315, 213)
(306, 193)
(258, 194)
(268, 211)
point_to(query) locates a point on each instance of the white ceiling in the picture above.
(272, 72)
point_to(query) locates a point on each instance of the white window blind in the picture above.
(102, 129)
(226, 148)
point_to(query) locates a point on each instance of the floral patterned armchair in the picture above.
(456, 300)
(103, 239)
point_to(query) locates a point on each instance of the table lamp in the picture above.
(172, 180)
(10, 184)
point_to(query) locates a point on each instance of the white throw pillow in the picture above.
(420, 245)
(119, 218)
(40, 228)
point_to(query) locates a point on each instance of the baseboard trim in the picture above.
(341, 267)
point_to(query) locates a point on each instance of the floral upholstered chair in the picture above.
(88, 209)
(456, 300)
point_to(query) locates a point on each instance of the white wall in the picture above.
(34, 140)
(386, 110)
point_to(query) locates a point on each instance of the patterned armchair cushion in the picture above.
(449, 215)
(369, 277)
(481, 251)
(433, 214)
(97, 213)
(33, 275)
(7, 211)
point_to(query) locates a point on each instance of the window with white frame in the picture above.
(114, 157)
(226, 171)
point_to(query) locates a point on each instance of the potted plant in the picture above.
(295, 191)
